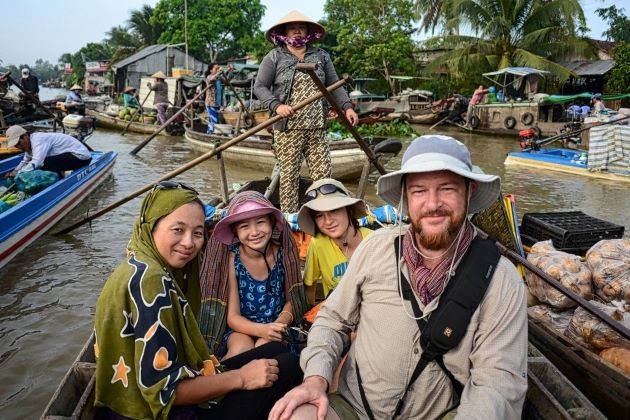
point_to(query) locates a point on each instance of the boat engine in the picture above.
(572, 133)
(529, 138)
(79, 126)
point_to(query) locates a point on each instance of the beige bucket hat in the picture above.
(294, 16)
(13, 135)
(327, 194)
(76, 87)
(158, 75)
(432, 153)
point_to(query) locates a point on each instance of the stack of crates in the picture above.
(572, 231)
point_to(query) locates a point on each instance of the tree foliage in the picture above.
(217, 29)
(534, 33)
(619, 24)
(143, 26)
(371, 38)
(619, 79)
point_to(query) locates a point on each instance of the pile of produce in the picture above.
(32, 182)
(127, 114)
(604, 279)
(11, 199)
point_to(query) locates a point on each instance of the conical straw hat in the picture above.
(76, 87)
(159, 75)
(129, 89)
(295, 16)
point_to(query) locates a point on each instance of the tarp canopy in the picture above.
(560, 99)
(517, 71)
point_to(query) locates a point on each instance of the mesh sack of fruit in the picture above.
(32, 182)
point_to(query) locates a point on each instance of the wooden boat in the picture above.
(31, 218)
(105, 120)
(564, 160)
(607, 156)
(256, 153)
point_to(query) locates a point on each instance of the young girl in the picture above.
(330, 214)
(264, 293)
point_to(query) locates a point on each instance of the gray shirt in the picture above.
(491, 359)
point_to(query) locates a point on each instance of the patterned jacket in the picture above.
(275, 79)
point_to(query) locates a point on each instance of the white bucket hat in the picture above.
(440, 153)
(329, 194)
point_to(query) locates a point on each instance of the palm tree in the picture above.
(140, 23)
(534, 33)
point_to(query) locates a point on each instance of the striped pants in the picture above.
(290, 148)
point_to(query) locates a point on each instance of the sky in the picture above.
(48, 28)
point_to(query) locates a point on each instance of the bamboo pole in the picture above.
(200, 159)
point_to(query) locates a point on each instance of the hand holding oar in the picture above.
(135, 112)
(163, 126)
(202, 158)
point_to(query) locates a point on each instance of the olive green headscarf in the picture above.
(157, 204)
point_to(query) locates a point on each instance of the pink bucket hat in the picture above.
(244, 206)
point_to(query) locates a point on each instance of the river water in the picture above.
(48, 292)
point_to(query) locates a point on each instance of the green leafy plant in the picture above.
(396, 128)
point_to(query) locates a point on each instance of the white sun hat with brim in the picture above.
(440, 153)
(13, 135)
(338, 197)
(295, 16)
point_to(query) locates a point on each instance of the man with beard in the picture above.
(437, 188)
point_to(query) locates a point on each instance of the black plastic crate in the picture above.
(570, 231)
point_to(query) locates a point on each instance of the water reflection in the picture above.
(48, 292)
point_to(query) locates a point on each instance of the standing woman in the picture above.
(330, 214)
(214, 95)
(160, 99)
(151, 359)
(279, 86)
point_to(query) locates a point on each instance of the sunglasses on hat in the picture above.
(166, 185)
(325, 189)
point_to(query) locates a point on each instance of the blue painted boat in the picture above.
(564, 160)
(28, 220)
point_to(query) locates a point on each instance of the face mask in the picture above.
(295, 42)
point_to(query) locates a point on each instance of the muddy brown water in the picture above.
(48, 292)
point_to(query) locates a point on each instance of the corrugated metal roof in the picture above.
(145, 52)
(590, 68)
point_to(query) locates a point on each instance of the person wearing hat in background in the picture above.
(598, 105)
(253, 250)
(436, 188)
(330, 214)
(56, 152)
(279, 86)
(29, 82)
(160, 100)
(74, 101)
(151, 359)
(130, 98)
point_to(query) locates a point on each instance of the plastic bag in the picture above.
(609, 261)
(590, 331)
(564, 267)
(557, 320)
(32, 182)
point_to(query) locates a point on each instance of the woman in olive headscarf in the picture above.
(152, 361)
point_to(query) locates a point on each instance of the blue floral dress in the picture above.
(261, 301)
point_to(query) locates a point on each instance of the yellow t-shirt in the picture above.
(326, 261)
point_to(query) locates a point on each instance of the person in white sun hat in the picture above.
(470, 361)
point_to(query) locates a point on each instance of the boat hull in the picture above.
(561, 160)
(27, 221)
(347, 158)
(104, 120)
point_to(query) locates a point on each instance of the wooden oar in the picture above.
(163, 126)
(438, 123)
(34, 99)
(201, 158)
(135, 111)
(310, 70)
